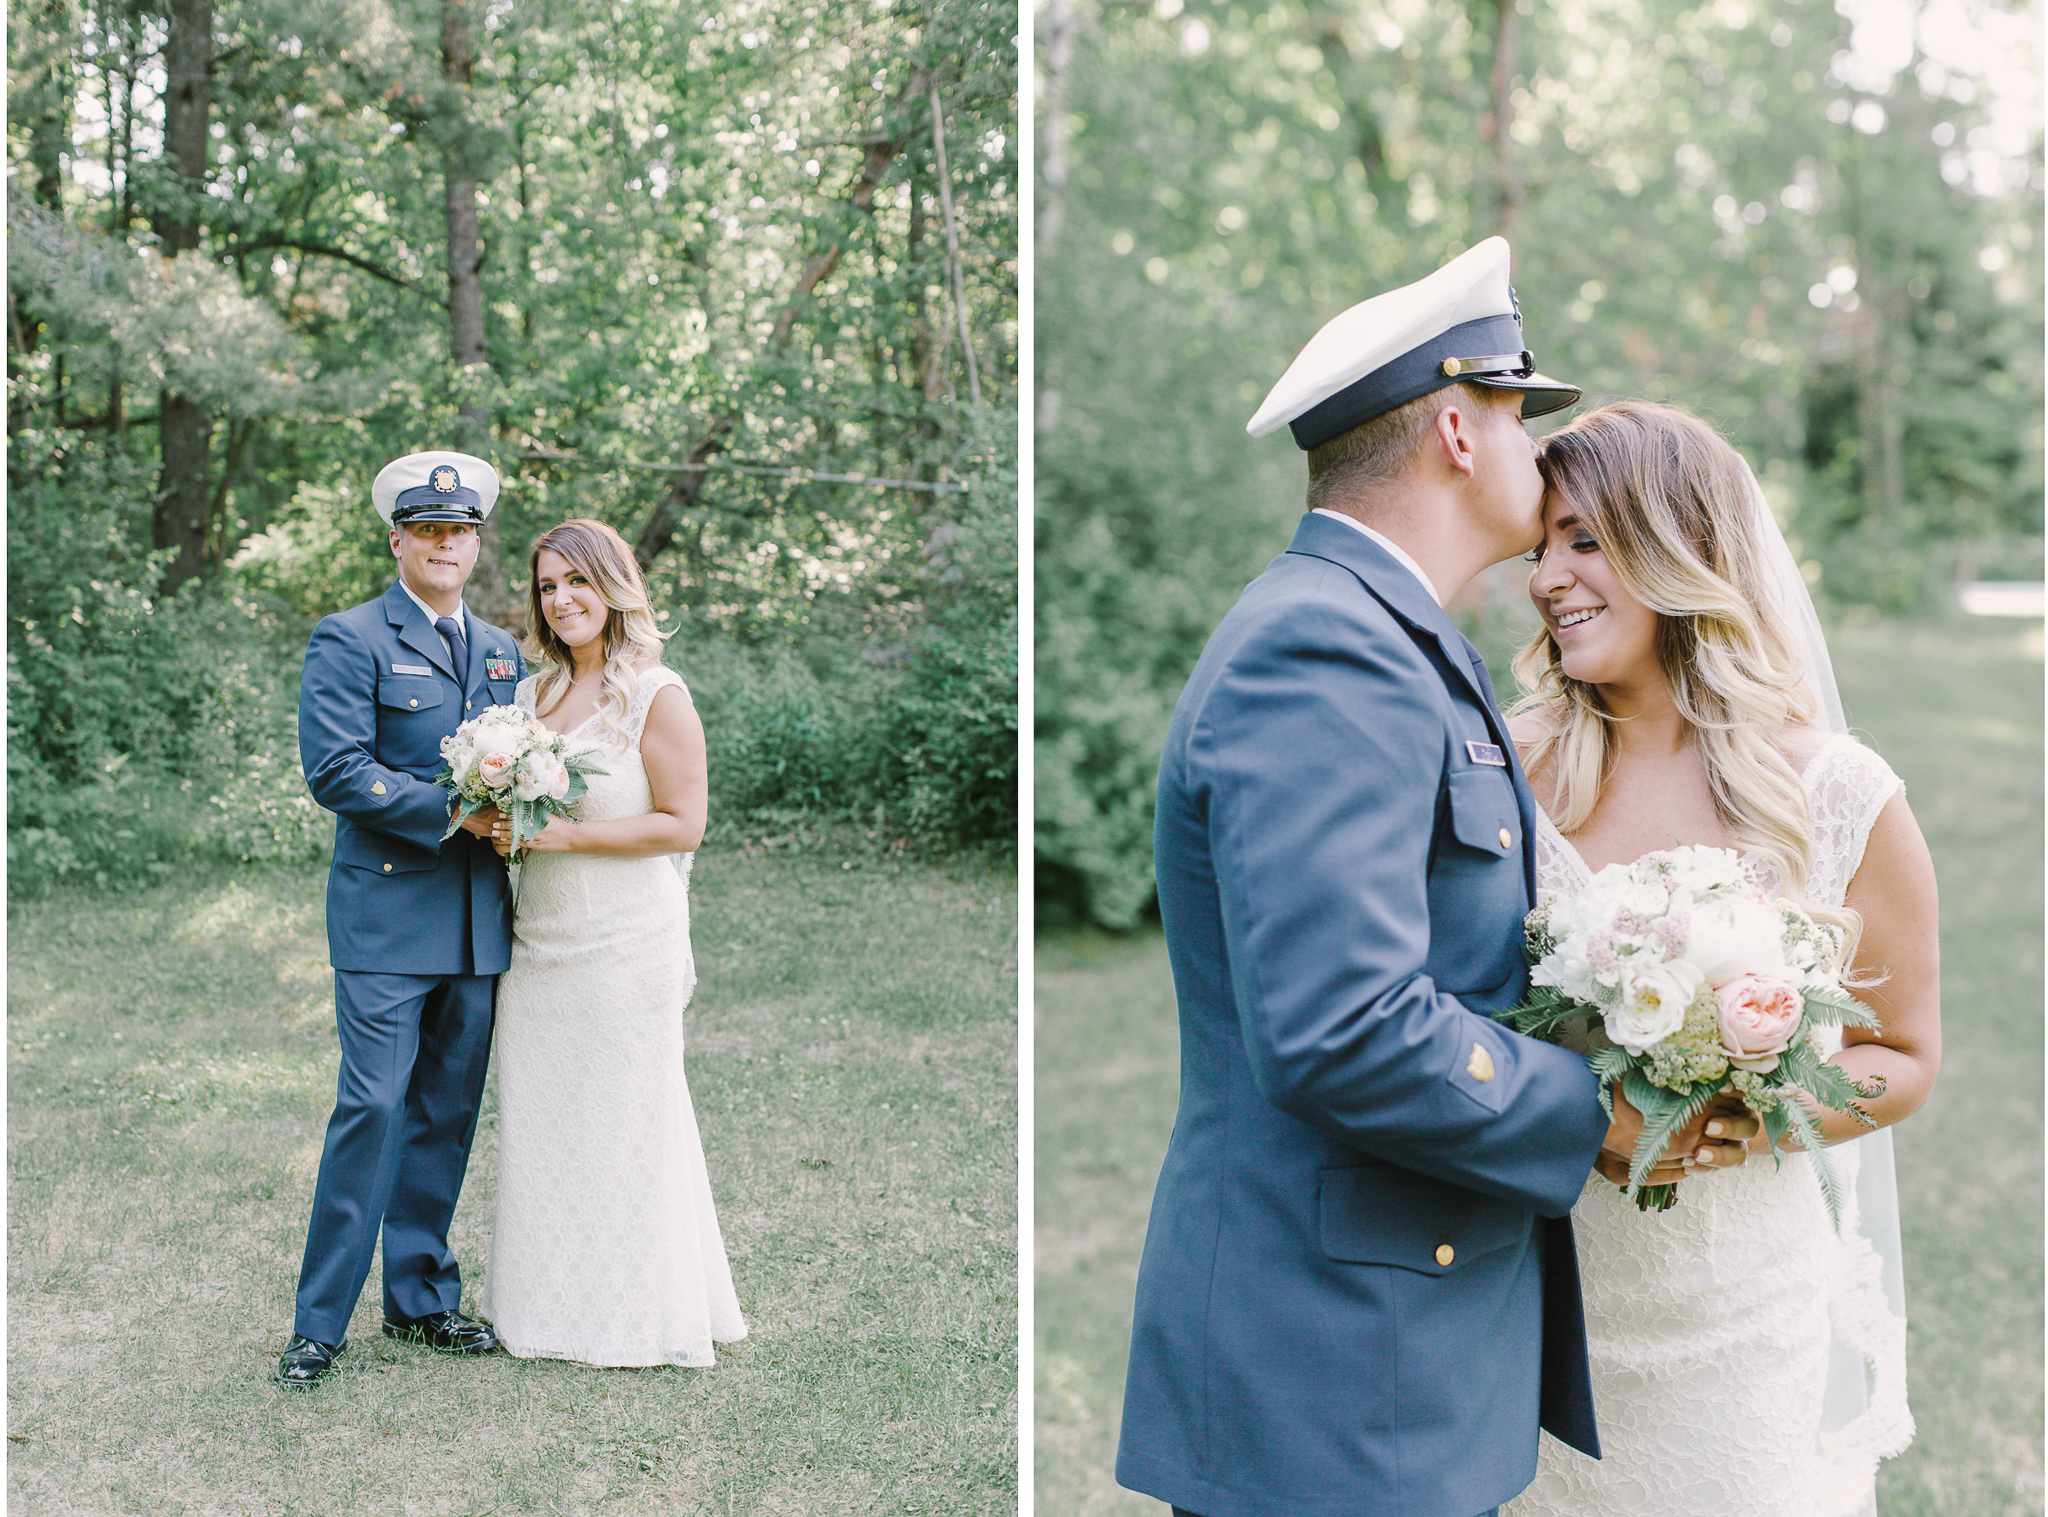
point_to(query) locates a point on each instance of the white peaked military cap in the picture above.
(435, 487)
(1461, 323)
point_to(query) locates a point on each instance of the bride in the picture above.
(1746, 1359)
(606, 1248)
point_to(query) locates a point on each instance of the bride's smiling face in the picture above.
(1605, 636)
(574, 609)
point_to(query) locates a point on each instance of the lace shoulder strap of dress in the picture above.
(653, 680)
(522, 694)
(1847, 785)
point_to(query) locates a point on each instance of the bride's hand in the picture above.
(553, 838)
(1718, 1138)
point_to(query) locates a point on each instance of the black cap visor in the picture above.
(404, 516)
(1540, 396)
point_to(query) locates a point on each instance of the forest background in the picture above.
(1814, 224)
(740, 280)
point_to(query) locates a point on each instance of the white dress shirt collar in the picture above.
(461, 610)
(1386, 542)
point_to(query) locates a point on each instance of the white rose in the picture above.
(1568, 969)
(532, 782)
(1652, 1003)
(1734, 936)
(1644, 897)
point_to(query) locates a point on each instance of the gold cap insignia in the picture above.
(444, 480)
(1481, 1066)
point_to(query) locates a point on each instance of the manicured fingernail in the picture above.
(1714, 1129)
(1706, 1156)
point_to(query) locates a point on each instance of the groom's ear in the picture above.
(1455, 437)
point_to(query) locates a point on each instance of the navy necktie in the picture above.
(458, 646)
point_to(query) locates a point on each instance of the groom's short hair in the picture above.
(1378, 453)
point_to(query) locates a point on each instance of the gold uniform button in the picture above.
(1507, 838)
(387, 869)
(1480, 1067)
(469, 705)
(1445, 1253)
(1503, 836)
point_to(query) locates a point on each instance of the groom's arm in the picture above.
(1319, 753)
(338, 744)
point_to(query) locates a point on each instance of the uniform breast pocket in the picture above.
(1483, 811)
(408, 692)
(502, 692)
(1477, 890)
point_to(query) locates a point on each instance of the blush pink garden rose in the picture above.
(558, 784)
(495, 769)
(1759, 1017)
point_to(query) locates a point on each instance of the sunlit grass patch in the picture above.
(851, 1057)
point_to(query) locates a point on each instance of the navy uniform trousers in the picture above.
(417, 930)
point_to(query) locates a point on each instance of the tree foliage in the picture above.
(1726, 205)
(711, 264)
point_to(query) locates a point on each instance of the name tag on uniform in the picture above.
(1486, 753)
(410, 669)
(498, 668)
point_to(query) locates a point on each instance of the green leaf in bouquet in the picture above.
(1797, 1064)
(1608, 1065)
(1835, 1007)
(1664, 1113)
(1545, 1013)
(466, 809)
(1777, 1121)
(1806, 1133)
(1833, 1086)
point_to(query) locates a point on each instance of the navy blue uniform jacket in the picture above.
(1354, 1298)
(378, 695)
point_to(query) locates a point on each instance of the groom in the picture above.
(1359, 1294)
(417, 929)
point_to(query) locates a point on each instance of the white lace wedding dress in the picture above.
(1746, 1362)
(606, 1248)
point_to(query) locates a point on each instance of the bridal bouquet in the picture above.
(506, 758)
(1688, 981)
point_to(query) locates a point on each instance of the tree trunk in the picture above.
(487, 590)
(42, 100)
(45, 100)
(182, 424)
(1507, 189)
(681, 496)
(182, 505)
(1060, 25)
(953, 247)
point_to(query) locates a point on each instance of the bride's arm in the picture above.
(672, 748)
(1894, 893)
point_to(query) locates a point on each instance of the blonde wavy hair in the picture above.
(632, 639)
(1668, 502)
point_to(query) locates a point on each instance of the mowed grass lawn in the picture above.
(1956, 709)
(171, 1066)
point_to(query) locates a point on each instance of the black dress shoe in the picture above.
(446, 1332)
(305, 1364)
